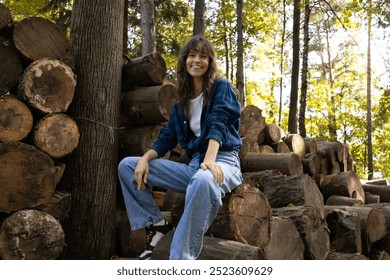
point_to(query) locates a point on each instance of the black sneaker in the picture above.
(153, 236)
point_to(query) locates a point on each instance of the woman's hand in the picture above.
(141, 173)
(215, 169)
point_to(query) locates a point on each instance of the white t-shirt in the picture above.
(195, 113)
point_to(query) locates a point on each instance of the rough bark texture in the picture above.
(10, 66)
(149, 105)
(5, 17)
(27, 37)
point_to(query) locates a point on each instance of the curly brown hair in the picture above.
(185, 86)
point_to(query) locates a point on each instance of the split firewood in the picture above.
(48, 85)
(16, 120)
(31, 235)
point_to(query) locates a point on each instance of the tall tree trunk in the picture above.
(225, 41)
(281, 63)
(369, 128)
(305, 55)
(240, 83)
(292, 118)
(91, 170)
(148, 27)
(125, 25)
(199, 26)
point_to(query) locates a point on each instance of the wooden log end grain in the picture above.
(252, 122)
(10, 67)
(38, 38)
(57, 135)
(296, 144)
(272, 134)
(27, 176)
(48, 85)
(31, 235)
(16, 120)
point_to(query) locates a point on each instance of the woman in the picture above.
(204, 122)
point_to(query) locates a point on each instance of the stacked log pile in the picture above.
(36, 88)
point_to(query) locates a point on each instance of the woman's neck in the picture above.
(198, 87)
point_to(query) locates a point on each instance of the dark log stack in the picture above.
(36, 88)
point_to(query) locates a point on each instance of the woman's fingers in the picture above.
(215, 169)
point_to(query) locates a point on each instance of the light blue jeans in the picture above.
(202, 200)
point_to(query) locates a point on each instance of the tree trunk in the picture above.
(10, 67)
(57, 135)
(149, 106)
(147, 70)
(91, 173)
(311, 225)
(48, 85)
(148, 27)
(288, 164)
(16, 120)
(240, 82)
(27, 37)
(199, 10)
(31, 235)
(26, 176)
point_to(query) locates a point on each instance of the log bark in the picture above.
(312, 227)
(342, 200)
(285, 242)
(249, 145)
(372, 223)
(371, 198)
(299, 189)
(149, 105)
(57, 135)
(10, 66)
(245, 216)
(338, 256)
(31, 235)
(213, 249)
(251, 122)
(296, 144)
(343, 184)
(326, 150)
(256, 179)
(148, 70)
(135, 141)
(287, 164)
(381, 190)
(310, 145)
(27, 176)
(27, 37)
(57, 206)
(381, 182)
(48, 85)
(272, 134)
(16, 120)
(311, 164)
(5, 18)
(345, 231)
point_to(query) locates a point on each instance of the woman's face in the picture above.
(197, 63)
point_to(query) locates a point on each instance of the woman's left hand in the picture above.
(215, 169)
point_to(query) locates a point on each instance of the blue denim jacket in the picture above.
(220, 120)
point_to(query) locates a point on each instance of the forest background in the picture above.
(317, 68)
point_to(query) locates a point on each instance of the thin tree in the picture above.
(292, 118)
(305, 58)
(148, 27)
(369, 124)
(240, 83)
(91, 171)
(199, 26)
(281, 63)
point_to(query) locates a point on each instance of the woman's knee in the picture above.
(127, 164)
(204, 183)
